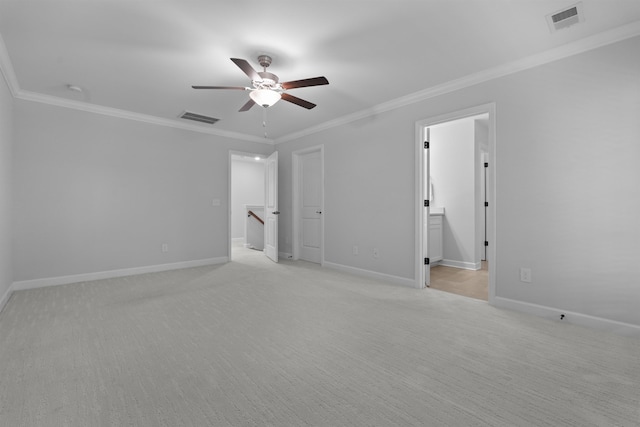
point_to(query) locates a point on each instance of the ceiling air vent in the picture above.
(566, 17)
(198, 117)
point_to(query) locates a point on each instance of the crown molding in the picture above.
(588, 43)
(583, 45)
(6, 69)
(130, 115)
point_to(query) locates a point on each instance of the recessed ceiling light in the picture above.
(74, 88)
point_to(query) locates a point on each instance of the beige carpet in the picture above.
(251, 343)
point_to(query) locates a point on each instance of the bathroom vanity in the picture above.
(436, 220)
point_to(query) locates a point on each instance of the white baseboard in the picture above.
(613, 326)
(64, 280)
(411, 283)
(5, 298)
(461, 264)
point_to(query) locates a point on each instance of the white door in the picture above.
(310, 170)
(426, 197)
(271, 207)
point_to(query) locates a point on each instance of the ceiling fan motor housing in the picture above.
(268, 79)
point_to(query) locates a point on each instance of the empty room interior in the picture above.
(288, 213)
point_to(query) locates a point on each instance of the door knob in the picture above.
(318, 212)
(276, 212)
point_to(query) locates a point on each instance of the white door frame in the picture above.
(296, 155)
(420, 210)
(231, 154)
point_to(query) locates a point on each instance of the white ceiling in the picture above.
(142, 56)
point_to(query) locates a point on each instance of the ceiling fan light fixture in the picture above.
(265, 97)
(266, 89)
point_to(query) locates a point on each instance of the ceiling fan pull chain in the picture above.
(264, 121)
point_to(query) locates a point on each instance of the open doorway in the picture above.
(247, 196)
(456, 220)
(456, 170)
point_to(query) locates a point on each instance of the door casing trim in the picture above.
(420, 126)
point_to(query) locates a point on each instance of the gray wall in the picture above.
(369, 174)
(567, 196)
(96, 193)
(6, 198)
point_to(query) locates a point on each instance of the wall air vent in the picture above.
(566, 17)
(198, 117)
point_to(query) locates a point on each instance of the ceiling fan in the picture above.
(266, 89)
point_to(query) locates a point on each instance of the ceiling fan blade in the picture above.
(248, 105)
(295, 100)
(247, 68)
(220, 87)
(315, 81)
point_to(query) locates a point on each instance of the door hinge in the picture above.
(426, 261)
(486, 243)
(486, 204)
(426, 144)
(426, 203)
(486, 165)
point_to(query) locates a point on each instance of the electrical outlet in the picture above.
(376, 254)
(355, 250)
(525, 275)
(165, 247)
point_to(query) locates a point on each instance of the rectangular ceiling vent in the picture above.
(566, 17)
(198, 118)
